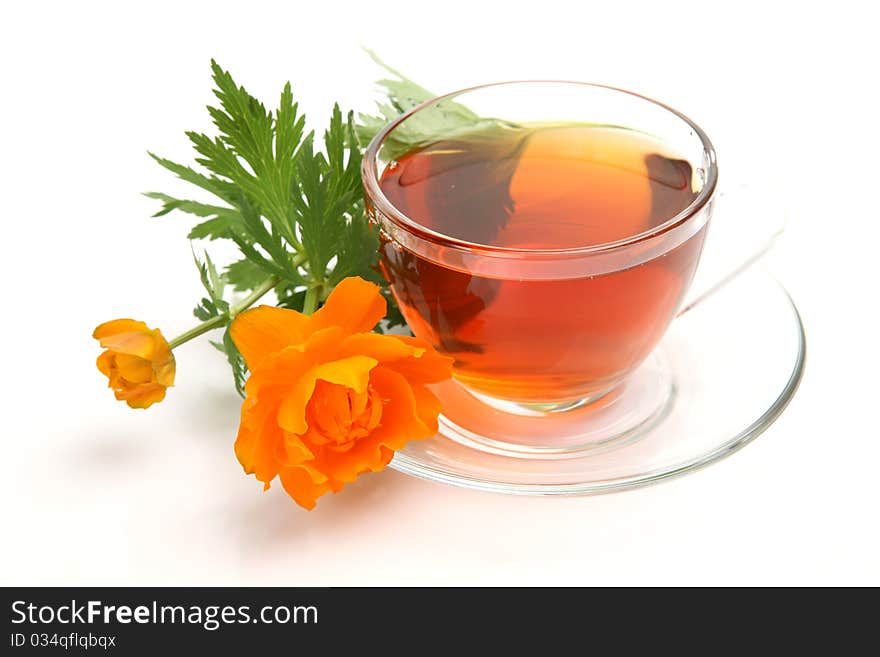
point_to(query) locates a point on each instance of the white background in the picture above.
(94, 493)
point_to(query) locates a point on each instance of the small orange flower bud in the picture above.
(137, 361)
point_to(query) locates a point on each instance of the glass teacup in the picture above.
(542, 233)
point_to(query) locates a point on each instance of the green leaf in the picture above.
(251, 165)
(222, 220)
(266, 235)
(357, 253)
(211, 279)
(220, 188)
(291, 298)
(206, 310)
(243, 121)
(267, 144)
(441, 120)
(291, 202)
(327, 194)
(212, 229)
(236, 362)
(215, 284)
(245, 275)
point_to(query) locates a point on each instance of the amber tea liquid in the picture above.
(541, 187)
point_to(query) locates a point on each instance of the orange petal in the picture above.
(358, 403)
(400, 422)
(354, 304)
(301, 487)
(329, 410)
(165, 372)
(430, 367)
(282, 368)
(381, 347)
(259, 439)
(115, 381)
(375, 410)
(400, 417)
(428, 407)
(105, 363)
(116, 326)
(134, 369)
(296, 450)
(285, 367)
(264, 330)
(140, 344)
(352, 372)
(142, 396)
(366, 455)
(385, 457)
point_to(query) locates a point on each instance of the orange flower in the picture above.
(138, 361)
(328, 400)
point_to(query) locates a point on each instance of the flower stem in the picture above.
(311, 300)
(222, 320)
(253, 297)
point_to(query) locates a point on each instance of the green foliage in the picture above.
(294, 210)
(215, 285)
(214, 307)
(236, 361)
(294, 207)
(290, 297)
(328, 202)
(441, 120)
(244, 275)
(221, 220)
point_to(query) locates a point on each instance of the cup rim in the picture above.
(370, 178)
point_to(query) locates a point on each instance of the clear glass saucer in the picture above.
(723, 373)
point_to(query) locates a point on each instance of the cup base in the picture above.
(531, 409)
(570, 429)
(736, 361)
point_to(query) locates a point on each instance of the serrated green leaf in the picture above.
(328, 193)
(212, 229)
(440, 120)
(213, 282)
(220, 188)
(215, 285)
(222, 220)
(292, 203)
(205, 310)
(357, 253)
(245, 275)
(236, 362)
(243, 122)
(270, 239)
